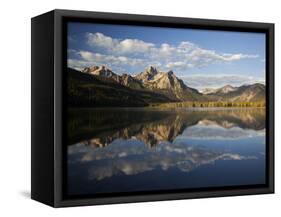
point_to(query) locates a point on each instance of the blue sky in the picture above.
(202, 58)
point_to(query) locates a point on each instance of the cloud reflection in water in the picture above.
(162, 142)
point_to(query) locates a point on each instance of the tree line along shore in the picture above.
(225, 104)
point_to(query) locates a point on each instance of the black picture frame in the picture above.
(48, 105)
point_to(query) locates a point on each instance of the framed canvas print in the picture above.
(130, 108)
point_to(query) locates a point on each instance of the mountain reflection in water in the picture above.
(110, 146)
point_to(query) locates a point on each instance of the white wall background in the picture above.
(15, 106)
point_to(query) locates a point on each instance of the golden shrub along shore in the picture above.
(260, 104)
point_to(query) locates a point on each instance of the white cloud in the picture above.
(233, 57)
(178, 64)
(87, 59)
(165, 50)
(206, 130)
(135, 52)
(98, 163)
(118, 46)
(133, 45)
(99, 39)
(183, 56)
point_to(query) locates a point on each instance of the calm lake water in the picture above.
(125, 150)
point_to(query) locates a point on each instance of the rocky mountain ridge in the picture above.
(152, 79)
(168, 84)
(100, 86)
(225, 89)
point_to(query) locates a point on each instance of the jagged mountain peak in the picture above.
(90, 69)
(152, 70)
(99, 70)
(151, 79)
(168, 84)
(148, 74)
(105, 72)
(170, 72)
(151, 73)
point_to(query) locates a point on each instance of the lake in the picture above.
(141, 149)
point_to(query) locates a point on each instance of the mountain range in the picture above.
(100, 86)
(225, 89)
(152, 127)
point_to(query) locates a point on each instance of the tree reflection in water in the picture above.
(133, 141)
